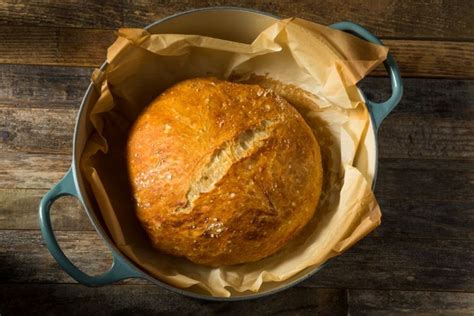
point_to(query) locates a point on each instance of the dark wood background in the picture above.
(419, 261)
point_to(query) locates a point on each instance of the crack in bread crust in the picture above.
(222, 159)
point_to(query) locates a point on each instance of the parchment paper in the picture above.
(314, 67)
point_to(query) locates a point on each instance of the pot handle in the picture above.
(379, 111)
(119, 270)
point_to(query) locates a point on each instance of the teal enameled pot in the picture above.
(235, 24)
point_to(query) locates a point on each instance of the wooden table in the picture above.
(420, 260)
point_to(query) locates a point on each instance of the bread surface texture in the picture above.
(222, 173)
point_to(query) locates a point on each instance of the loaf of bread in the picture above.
(222, 173)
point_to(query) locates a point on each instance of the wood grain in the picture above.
(425, 179)
(401, 136)
(48, 86)
(19, 210)
(375, 263)
(435, 19)
(25, 258)
(401, 263)
(88, 48)
(37, 130)
(43, 86)
(54, 46)
(152, 300)
(369, 302)
(410, 218)
(105, 14)
(402, 218)
(445, 97)
(419, 179)
(32, 170)
(425, 58)
(435, 118)
(433, 135)
(386, 18)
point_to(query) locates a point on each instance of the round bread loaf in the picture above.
(222, 173)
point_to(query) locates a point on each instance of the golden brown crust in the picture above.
(222, 173)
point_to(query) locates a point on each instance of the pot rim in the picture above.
(123, 267)
(103, 233)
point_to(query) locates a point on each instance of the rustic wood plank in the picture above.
(408, 218)
(403, 135)
(423, 58)
(369, 302)
(425, 179)
(48, 86)
(387, 18)
(103, 14)
(43, 86)
(397, 178)
(25, 171)
(88, 48)
(37, 129)
(425, 96)
(85, 249)
(435, 119)
(399, 263)
(19, 210)
(402, 218)
(433, 135)
(411, 131)
(54, 46)
(153, 300)
(376, 263)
